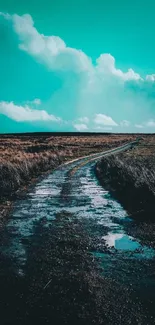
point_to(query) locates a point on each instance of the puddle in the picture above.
(121, 241)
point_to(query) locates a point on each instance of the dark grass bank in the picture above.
(131, 180)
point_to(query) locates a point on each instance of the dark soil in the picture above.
(64, 284)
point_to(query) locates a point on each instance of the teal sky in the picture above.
(47, 88)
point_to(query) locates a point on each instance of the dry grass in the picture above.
(130, 176)
(17, 148)
(25, 157)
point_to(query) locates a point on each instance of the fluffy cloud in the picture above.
(150, 77)
(139, 126)
(37, 101)
(99, 87)
(5, 15)
(102, 128)
(124, 123)
(53, 51)
(80, 127)
(50, 50)
(25, 113)
(151, 123)
(34, 102)
(104, 120)
(84, 119)
(148, 124)
(106, 65)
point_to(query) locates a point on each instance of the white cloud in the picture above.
(139, 126)
(51, 50)
(80, 127)
(102, 128)
(150, 77)
(25, 113)
(37, 101)
(84, 119)
(106, 65)
(151, 123)
(104, 120)
(124, 123)
(5, 15)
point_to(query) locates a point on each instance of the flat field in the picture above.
(25, 157)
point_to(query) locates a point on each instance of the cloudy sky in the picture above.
(77, 65)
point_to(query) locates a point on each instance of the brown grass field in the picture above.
(24, 157)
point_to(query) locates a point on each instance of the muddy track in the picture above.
(72, 216)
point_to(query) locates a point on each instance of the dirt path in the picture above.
(66, 257)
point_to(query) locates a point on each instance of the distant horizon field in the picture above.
(65, 133)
